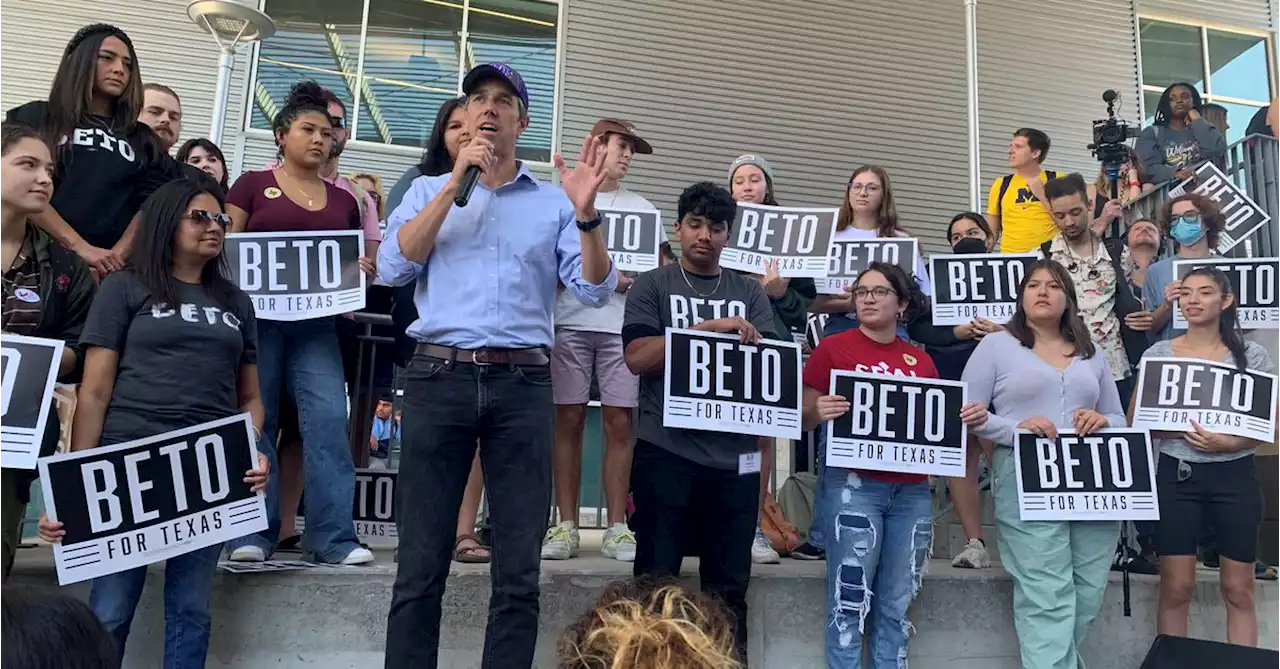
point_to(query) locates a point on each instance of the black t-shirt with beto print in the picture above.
(179, 365)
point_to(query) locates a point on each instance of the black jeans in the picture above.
(447, 408)
(675, 496)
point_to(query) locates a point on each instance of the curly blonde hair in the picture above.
(650, 624)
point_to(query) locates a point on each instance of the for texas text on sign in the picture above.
(1172, 392)
(297, 276)
(632, 238)
(798, 238)
(29, 368)
(976, 285)
(1253, 282)
(1108, 475)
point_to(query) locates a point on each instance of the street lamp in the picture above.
(231, 24)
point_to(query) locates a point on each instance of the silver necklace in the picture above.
(695, 290)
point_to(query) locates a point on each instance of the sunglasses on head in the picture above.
(203, 217)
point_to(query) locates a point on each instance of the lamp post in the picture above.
(231, 24)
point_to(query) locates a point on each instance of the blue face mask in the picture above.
(1187, 230)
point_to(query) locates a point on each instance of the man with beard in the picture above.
(162, 111)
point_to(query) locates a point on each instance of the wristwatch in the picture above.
(588, 226)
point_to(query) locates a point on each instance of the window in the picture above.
(410, 60)
(1230, 69)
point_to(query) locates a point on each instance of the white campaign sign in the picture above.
(1243, 215)
(1173, 392)
(1107, 475)
(797, 238)
(632, 238)
(29, 367)
(1253, 282)
(295, 276)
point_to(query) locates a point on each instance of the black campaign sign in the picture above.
(28, 368)
(632, 238)
(976, 285)
(1108, 475)
(375, 507)
(1253, 282)
(1172, 392)
(847, 259)
(143, 501)
(798, 238)
(1243, 215)
(898, 424)
(296, 276)
(715, 382)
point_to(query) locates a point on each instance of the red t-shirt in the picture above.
(270, 210)
(854, 351)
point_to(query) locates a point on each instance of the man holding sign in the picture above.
(693, 479)
(589, 344)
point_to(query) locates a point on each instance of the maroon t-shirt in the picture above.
(270, 210)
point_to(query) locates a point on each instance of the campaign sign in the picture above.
(898, 424)
(147, 500)
(814, 327)
(1172, 392)
(849, 258)
(715, 382)
(375, 507)
(977, 285)
(1253, 281)
(1243, 215)
(632, 238)
(1107, 475)
(297, 276)
(28, 369)
(798, 238)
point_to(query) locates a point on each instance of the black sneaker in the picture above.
(807, 551)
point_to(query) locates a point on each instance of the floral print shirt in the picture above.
(1095, 282)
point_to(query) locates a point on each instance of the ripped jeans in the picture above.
(878, 542)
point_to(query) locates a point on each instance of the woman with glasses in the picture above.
(1043, 373)
(1207, 480)
(141, 350)
(303, 356)
(1194, 223)
(879, 524)
(867, 212)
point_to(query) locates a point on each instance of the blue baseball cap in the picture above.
(506, 73)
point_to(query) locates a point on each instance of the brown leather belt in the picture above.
(486, 356)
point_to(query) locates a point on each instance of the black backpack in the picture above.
(1007, 181)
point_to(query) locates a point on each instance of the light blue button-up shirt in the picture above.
(490, 281)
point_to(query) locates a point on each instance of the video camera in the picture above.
(1110, 135)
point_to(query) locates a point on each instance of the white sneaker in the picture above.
(762, 551)
(619, 543)
(561, 542)
(974, 556)
(248, 554)
(358, 555)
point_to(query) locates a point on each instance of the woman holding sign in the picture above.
(1208, 478)
(149, 329)
(1042, 374)
(880, 522)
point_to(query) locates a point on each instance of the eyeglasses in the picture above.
(337, 122)
(377, 197)
(203, 217)
(1093, 274)
(869, 189)
(1190, 219)
(879, 292)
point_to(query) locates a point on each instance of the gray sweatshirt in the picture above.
(1164, 150)
(1015, 384)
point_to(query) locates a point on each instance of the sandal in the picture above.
(469, 554)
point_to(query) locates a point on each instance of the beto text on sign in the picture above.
(1172, 392)
(1107, 475)
(849, 258)
(976, 285)
(797, 238)
(297, 276)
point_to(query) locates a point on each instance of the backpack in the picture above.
(782, 534)
(1007, 181)
(796, 498)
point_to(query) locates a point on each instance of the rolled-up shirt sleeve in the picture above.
(569, 258)
(393, 268)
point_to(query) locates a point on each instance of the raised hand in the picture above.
(583, 182)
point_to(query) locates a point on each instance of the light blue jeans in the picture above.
(188, 581)
(878, 541)
(304, 356)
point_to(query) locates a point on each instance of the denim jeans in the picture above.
(188, 582)
(304, 357)
(877, 549)
(448, 406)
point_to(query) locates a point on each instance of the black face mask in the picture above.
(969, 245)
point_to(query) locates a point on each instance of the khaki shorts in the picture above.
(578, 355)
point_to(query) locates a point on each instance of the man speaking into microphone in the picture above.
(486, 276)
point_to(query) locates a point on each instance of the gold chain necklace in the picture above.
(296, 186)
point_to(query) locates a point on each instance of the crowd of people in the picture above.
(112, 236)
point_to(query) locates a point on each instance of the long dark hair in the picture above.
(1071, 326)
(436, 159)
(974, 216)
(305, 97)
(1229, 319)
(209, 147)
(71, 94)
(886, 217)
(1164, 110)
(152, 260)
(904, 286)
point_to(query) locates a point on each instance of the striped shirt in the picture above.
(21, 310)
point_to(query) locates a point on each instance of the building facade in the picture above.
(818, 87)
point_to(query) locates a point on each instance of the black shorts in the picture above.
(1223, 496)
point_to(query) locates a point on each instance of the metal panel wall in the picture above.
(1045, 65)
(1238, 13)
(818, 88)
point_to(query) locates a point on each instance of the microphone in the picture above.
(468, 184)
(1109, 95)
